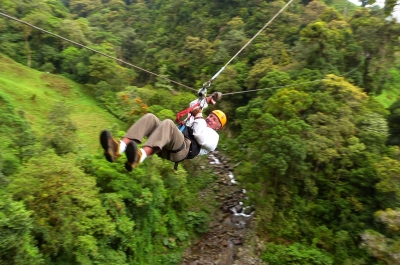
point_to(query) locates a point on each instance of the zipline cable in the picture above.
(208, 83)
(254, 90)
(255, 36)
(93, 50)
(297, 84)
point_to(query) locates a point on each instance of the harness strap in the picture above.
(181, 124)
(176, 151)
(179, 149)
(185, 112)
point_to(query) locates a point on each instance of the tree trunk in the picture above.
(345, 8)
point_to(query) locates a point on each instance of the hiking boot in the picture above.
(110, 146)
(133, 154)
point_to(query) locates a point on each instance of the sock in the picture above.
(144, 155)
(122, 147)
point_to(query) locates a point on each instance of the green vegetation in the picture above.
(317, 139)
(36, 93)
(66, 204)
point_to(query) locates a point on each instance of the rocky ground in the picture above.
(231, 240)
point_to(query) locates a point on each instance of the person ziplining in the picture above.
(197, 137)
(175, 143)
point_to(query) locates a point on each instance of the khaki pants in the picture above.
(163, 136)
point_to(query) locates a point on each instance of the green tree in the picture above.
(83, 7)
(60, 134)
(367, 26)
(258, 71)
(384, 247)
(323, 43)
(388, 170)
(17, 245)
(68, 217)
(394, 123)
(73, 65)
(18, 138)
(25, 148)
(273, 80)
(295, 254)
(308, 159)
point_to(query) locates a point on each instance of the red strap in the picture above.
(185, 112)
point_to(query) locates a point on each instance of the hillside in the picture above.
(311, 139)
(104, 194)
(35, 93)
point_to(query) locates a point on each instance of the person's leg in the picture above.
(166, 136)
(140, 129)
(144, 127)
(178, 155)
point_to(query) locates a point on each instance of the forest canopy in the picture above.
(313, 119)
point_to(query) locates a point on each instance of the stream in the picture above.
(230, 240)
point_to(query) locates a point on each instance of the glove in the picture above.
(195, 111)
(216, 96)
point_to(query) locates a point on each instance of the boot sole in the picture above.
(105, 138)
(131, 153)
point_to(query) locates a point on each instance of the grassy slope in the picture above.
(388, 97)
(36, 92)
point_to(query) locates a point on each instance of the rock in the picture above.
(237, 241)
(238, 208)
(227, 220)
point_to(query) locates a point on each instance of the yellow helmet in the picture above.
(221, 117)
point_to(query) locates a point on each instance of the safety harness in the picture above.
(194, 148)
(187, 131)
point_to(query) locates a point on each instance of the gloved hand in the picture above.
(195, 111)
(215, 97)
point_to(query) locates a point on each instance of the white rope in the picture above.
(258, 33)
(86, 47)
(314, 81)
(165, 78)
(254, 90)
(121, 61)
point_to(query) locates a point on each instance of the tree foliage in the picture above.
(67, 213)
(295, 254)
(330, 130)
(310, 137)
(61, 130)
(17, 245)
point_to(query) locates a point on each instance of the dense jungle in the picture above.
(313, 128)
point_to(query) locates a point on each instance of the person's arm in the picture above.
(203, 103)
(192, 114)
(212, 99)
